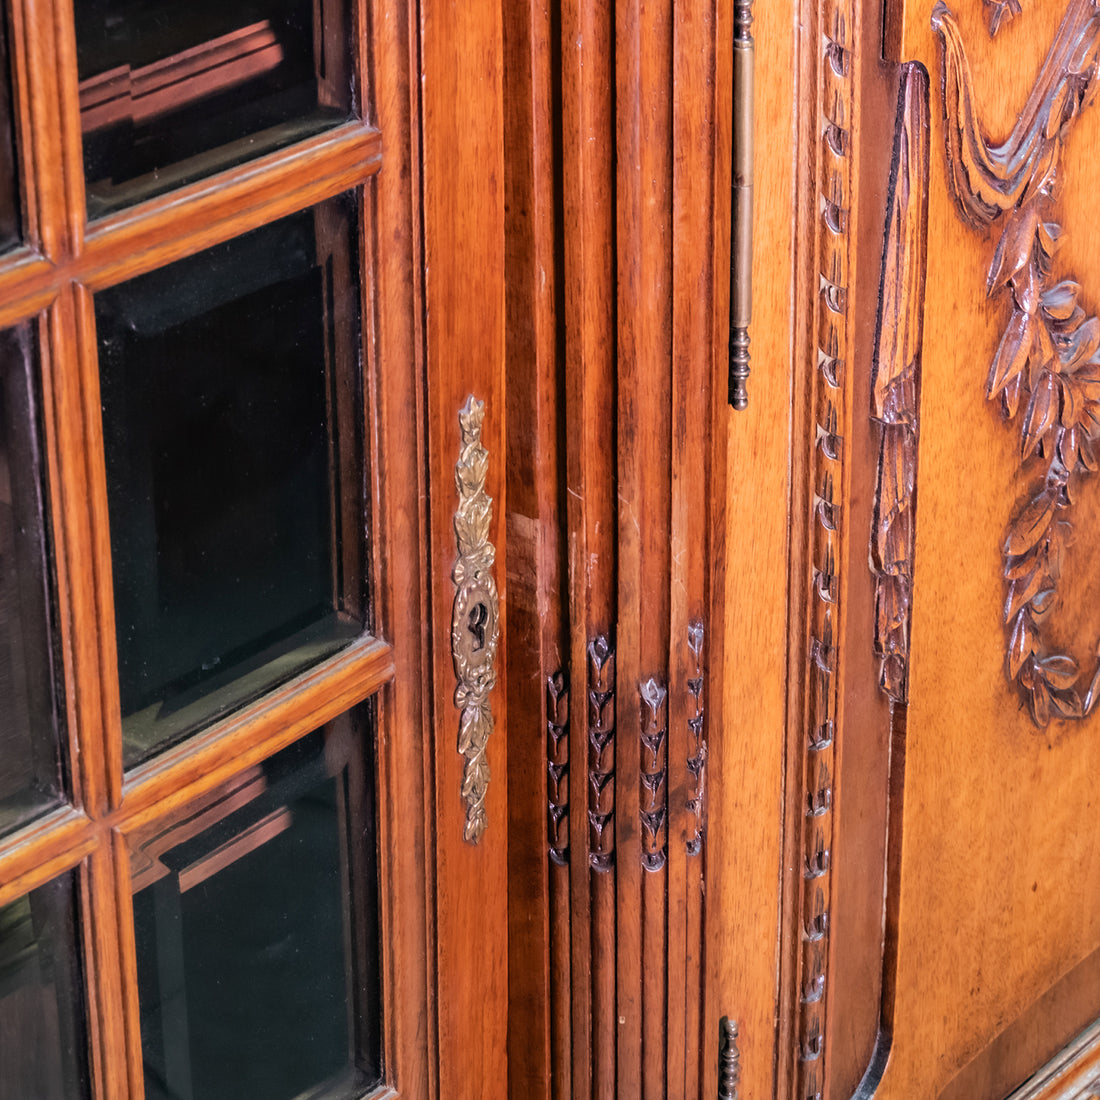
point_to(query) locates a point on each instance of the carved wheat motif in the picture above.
(601, 754)
(836, 103)
(1046, 370)
(654, 774)
(697, 756)
(836, 100)
(557, 767)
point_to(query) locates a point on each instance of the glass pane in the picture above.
(169, 94)
(9, 181)
(42, 1039)
(31, 771)
(232, 422)
(255, 914)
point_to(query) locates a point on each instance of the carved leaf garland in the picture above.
(1046, 369)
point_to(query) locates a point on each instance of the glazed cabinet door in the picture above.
(251, 532)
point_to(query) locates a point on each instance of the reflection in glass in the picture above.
(232, 423)
(9, 181)
(42, 1036)
(30, 763)
(169, 95)
(255, 912)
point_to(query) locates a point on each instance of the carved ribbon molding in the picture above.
(836, 103)
(1046, 370)
(475, 618)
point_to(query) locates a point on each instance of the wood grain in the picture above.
(539, 939)
(992, 809)
(588, 315)
(52, 280)
(463, 211)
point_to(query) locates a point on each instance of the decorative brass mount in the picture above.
(741, 222)
(475, 620)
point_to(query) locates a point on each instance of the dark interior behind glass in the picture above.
(165, 100)
(256, 923)
(230, 384)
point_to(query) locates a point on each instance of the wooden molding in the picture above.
(1073, 1074)
(835, 172)
(1046, 370)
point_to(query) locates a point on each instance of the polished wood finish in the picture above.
(952, 879)
(463, 217)
(632, 701)
(754, 755)
(53, 279)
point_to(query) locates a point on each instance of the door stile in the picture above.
(588, 265)
(538, 673)
(396, 428)
(52, 220)
(643, 66)
(699, 425)
(463, 211)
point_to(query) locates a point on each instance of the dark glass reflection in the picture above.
(256, 929)
(42, 1038)
(232, 430)
(9, 181)
(171, 94)
(30, 762)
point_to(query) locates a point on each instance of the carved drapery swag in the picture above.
(1046, 370)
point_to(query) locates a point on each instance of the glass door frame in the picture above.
(50, 281)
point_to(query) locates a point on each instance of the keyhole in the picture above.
(479, 615)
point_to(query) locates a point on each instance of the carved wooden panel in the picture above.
(1045, 374)
(653, 795)
(983, 876)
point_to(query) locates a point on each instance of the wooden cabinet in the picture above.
(715, 753)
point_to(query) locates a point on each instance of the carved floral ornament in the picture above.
(1045, 373)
